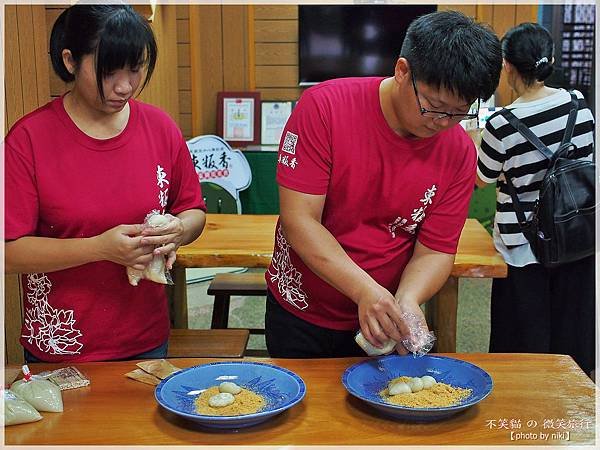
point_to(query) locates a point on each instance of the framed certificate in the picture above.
(273, 118)
(238, 117)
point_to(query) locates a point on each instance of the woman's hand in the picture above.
(123, 245)
(165, 239)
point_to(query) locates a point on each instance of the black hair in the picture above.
(449, 50)
(530, 49)
(115, 34)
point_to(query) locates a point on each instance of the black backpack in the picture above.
(563, 222)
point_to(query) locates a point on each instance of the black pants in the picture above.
(288, 336)
(156, 353)
(540, 310)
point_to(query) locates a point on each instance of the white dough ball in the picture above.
(228, 386)
(158, 220)
(221, 400)
(428, 381)
(415, 384)
(399, 388)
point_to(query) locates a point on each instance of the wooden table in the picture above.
(247, 241)
(546, 394)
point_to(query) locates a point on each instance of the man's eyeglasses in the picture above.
(442, 114)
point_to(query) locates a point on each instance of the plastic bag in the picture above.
(42, 394)
(419, 341)
(155, 271)
(17, 410)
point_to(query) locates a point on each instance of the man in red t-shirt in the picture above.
(375, 179)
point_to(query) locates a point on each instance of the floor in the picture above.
(248, 312)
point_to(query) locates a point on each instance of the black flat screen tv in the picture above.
(352, 40)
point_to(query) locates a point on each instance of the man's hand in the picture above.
(379, 317)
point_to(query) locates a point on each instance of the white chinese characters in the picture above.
(417, 215)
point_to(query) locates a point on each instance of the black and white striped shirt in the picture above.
(505, 152)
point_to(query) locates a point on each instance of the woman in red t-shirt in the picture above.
(82, 173)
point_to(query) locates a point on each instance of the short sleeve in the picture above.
(492, 153)
(304, 160)
(21, 194)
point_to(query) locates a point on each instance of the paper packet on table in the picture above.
(151, 372)
(160, 368)
(143, 377)
(157, 269)
(419, 341)
(40, 393)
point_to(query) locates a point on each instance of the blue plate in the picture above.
(280, 387)
(366, 379)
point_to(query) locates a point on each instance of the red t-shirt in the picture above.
(382, 192)
(61, 183)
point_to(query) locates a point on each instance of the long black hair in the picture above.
(530, 49)
(450, 50)
(116, 35)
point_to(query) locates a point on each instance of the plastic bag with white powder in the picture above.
(157, 270)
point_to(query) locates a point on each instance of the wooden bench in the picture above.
(224, 285)
(187, 343)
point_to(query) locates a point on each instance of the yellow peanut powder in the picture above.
(439, 395)
(246, 402)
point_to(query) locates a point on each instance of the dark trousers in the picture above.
(156, 353)
(540, 310)
(288, 336)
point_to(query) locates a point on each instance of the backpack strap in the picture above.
(527, 133)
(571, 120)
(517, 204)
(538, 144)
(534, 140)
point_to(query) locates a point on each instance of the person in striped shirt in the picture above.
(535, 309)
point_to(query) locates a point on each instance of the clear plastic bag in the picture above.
(17, 410)
(157, 270)
(419, 340)
(42, 394)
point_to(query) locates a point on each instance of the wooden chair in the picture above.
(224, 285)
(187, 343)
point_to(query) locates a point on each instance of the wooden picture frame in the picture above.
(238, 118)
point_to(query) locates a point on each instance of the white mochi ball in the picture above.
(221, 400)
(428, 381)
(231, 388)
(415, 384)
(399, 388)
(157, 220)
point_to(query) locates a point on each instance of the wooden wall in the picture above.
(276, 51)
(184, 70)
(26, 71)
